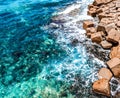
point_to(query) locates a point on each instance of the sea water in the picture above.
(38, 60)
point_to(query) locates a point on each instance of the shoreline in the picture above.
(107, 35)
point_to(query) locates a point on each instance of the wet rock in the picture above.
(87, 24)
(54, 25)
(96, 37)
(58, 19)
(102, 86)
(105, 73)
(106, 45)
(74, 42)
(97, 52)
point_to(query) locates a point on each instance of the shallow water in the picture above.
(40, 61)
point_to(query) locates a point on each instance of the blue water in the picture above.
(32, 62)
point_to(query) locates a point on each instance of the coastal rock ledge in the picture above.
(106, 34)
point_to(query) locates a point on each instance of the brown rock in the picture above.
(107, 1)
(113, 36)
(90, 6)
(99, 11)
(101, 27)
(96, 37)
(98, 2)
(114, 65)
(87, 24)
(118, 23)
(115, 52)
(101, 15)
(101, 33)
(113, 10)
(105, 73)
(109, 27)
(116, 71)
(118, 9)
(102, 86)
(118, 17)
(104, 15)
(90, 31)
(92, 12)
(118, 4)
(105, 27)
(106, 20)
(111, 5)
(113, 62)
(106, 45)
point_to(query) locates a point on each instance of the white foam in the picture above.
(70, 8)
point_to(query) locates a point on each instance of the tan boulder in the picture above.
(90, 31)
(113, 10)
(98, 2)
(102, 86)
(116, 71)
(113, 62)
(105, 73)
(109, 27)
(102, 15)
(101, 27)
(96, 37)
(106, 20)
(107, 1)
(115, 52)
(105, 27)
(92, 12)
(102, 33)
(87, 24)
(118, 23)
(118, 4)
(111, 5)
(100, 10)
(118, 9)
(106, 45)
(113, 36)
(114, 65)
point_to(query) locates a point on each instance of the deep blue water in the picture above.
(32, 63)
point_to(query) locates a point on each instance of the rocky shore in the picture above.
(106, 34)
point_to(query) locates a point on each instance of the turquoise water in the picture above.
(33, 62)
